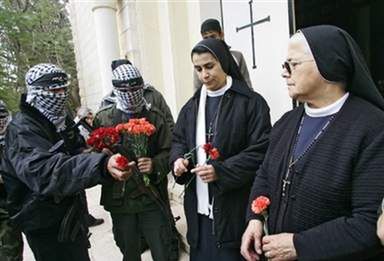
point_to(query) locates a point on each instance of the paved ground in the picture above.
(103, 246)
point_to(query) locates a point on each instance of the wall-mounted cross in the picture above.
(252, 24)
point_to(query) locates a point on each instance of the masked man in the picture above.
(11, 242)
(152, 97)
(138, 210)
(45, 174)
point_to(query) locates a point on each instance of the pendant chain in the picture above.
(292, 162)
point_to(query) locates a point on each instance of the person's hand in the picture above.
(207, 173)
(180, 166)
(116, 172)
(145, 165)
(380, 228)
(251, 241)
(279, 247)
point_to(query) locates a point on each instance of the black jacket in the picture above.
(243, 127)
(43, 176)
(3, 194)
(336, 188)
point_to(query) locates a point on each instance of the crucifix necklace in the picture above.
(213, 124)
(287, 179)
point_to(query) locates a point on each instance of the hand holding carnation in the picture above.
(119, 167)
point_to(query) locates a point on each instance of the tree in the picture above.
(32, 32)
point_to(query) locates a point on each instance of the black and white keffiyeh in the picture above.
(4, 118)
(41, 79)
(3, 124)
(130, 102)
(126, 72)
(128, 88)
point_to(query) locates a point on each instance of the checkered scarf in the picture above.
(50, 104)
(4, 117)
(3, 124)
(130, 102)
(129, 99)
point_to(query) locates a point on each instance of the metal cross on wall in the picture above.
(252, 24)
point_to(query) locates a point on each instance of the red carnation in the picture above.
(120, 127)
(137, 131)
(214, 154)
(260, 204)
(122, 162)
(207, 147)
(103, 138)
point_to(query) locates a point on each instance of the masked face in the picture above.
(47, 92)
(130, 100)
(3, 124)
(51, 102)
(128, 88)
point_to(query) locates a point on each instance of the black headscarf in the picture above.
(219, 49)
(339, 59)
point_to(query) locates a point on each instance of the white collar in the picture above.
(222, 90)
(327, 110)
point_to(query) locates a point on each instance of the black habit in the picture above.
(331, 203)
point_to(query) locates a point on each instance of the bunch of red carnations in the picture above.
(103, 138)
(138, 132)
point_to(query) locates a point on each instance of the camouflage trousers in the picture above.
(11, 241)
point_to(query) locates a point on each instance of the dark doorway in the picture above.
(362, 19)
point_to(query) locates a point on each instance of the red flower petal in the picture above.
(122, 162)
(260, 204)
(207, 147)
(103, 138)
(214, 154)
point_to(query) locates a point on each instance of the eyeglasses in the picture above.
(290, 65)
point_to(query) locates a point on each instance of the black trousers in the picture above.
(152, 225)
(45, 247)
(207, 248)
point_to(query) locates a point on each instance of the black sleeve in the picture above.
(163, 146)
(46, 171)
(163, 107)
(351, 237)
(179, 146)
(240, 169)
(259, 188)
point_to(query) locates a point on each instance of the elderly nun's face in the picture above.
(209, 71)
(300, 72)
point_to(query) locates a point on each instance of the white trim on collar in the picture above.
(327, 110)
(222, 90)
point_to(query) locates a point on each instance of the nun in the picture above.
(323, 172)
(227, 114)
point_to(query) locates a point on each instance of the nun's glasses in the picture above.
(290, 65)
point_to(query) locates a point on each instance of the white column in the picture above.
(107, 41)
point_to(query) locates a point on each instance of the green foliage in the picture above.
(32, 32)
